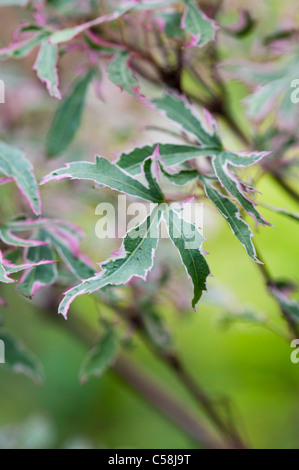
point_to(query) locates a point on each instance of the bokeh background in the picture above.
(243, 360)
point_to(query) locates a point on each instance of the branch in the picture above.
(229, 433)
(147, 388)
(164, 402)
(285, 186)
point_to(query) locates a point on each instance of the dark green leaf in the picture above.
(68, 116)
(100, 358)
(19, 359)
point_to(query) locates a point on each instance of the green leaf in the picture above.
(232, 184)
(155, 329)
(9, 238)
(68, 116)
(152, 182)
(7, 268)
(46, 68)
(259, 102)
(105, 173)
(40, 276)
(100, 358)
(178, 111)
(288, 306)
(93, 43)
(172, 154)
(291, 215)
(188, 241)
(15, 165)
(182, 177)
(246, 316)
(120, 74)
(21, 49)
(16, 268)
(77, 264)
(4, 277)
(64, 237)
(231, 213)
(19, 359)
(14, 255)
(139, 246)
(256, 73)
(173, 25)
(25, 225)
(132, 161)
(198, 24)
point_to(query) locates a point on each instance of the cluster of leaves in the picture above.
(273, 105)
(140, 172)
(172, 161)
(33, 246)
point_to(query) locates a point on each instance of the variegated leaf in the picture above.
(39, 276)
(46, 68)
(105, 173)
(120, 74)
(188, 241)
(18, 50)
(195, 21)
(14, 164)
(231, 213)
(68, 116)
(171, 154)
(67, 248)
(178, 111)
(231, 183)
(139, 247)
